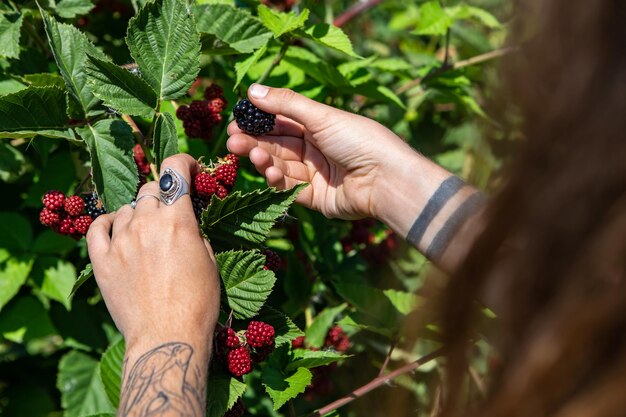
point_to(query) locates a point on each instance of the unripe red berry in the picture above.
(272, 260)
(337, 339)
(260, 334)
(226, 174)
(74, 205)
(221, 192)
(213, 91)
(227, 337)
(204, 185)
(48, 217)
(232, 159)
(82, 223)
(239, 361)
(53, 200)
(65, 225)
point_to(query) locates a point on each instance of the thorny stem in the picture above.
(458, 65)
(275, 62)
(377, 382)
(354, 11)
(142, 142)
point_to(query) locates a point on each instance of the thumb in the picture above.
(290, 104)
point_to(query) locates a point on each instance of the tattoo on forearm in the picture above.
(162, 383)
(448, 188)
(442, 239)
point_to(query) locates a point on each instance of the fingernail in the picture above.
(258, 91)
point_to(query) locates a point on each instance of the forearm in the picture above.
(165, 378)
(431, 208)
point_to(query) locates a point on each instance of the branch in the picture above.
(377, 382)
(354, 11)
(392, 346)
(275, 62)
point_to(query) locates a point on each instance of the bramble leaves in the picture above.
(110, 144)
(72, 8)
(163, 40)
(285, 330)
(305, 358)
(121, 89)
(13, 274)
(223, 392)
(330, 36)
(316, 332)
(165, 138)
(10, 28)
(84, 275)
(235, 27)
(242, 68)
(281, 23)
(242, 218)
(281, 384)
(110, 370)
(246, 283)
(436, 20)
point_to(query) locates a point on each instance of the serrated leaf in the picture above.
(26, 320)
(34, 111)
(84, 275)
(305, 358)
(403, 301)
(110, 144)
(58, 278)
(13, 274)
(433, 19)
(282, 386)
(45, 80)
(70, 48)
(121, 89)
(72, 8)
(315, 67)
(222, 393)
(163, 40)
(165, 138)
(243, 218)
(81, 390)
(10, 29)
(281, 23)
(317, 331)
(110, 370)
(330, 36)
(246, 283)
(242, 67)
(464, 11)
(233, 26)
(285, 330)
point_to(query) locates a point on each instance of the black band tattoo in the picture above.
(161, 383)
(442, 239)
(448, 188)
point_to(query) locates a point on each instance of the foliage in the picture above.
(83, 81)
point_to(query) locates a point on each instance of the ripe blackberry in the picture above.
(204, 185)
(65, 225)
(232, 159)
(251, 119)
(239, 362)
(93, 205)
(199, 205)
(337, 339)
(260, 334)
(74, 205)
(237, 410)
(221, 192)
(82, 223)
(213, 91)
(226, 174)
(48, 217)
(53, 200)
(272, 260)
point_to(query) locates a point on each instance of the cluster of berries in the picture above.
(143, 166)
(201, 116)
(214, 179)
(66, 215)
(321, 384)
(283, 5)
(238, 351)
(251, 119)
(362, 238)
(272, 260)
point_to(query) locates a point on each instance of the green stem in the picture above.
(275, 62)
(221, 140)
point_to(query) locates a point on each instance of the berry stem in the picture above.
(82, 183)
(377, 382)
(392, 346)
(275, 62)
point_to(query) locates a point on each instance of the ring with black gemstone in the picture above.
(172, 186)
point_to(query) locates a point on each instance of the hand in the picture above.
(157, 274)
(348, 159)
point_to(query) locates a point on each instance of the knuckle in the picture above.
(287, 95)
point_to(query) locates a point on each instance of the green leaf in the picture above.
(433, 19)
(13, 274)
(315, 67)
(34, 111)
(111, 366)
(370, 301)
(404, 302)
(24, 320)
(45, 80)
(84, 275)
(464, 11)
(16, 233)
(110, 144)
(246, 283)
(165, 138)
(285, 330)
(317, 331)
(330, 36)
(49, 242)
(248, 217)
(164, 42)
(121, 89)
(222, 393)
(10, 28)
(70, 48)
(72, 8)
(82, 392)
(281, 23)
(281, 385)
(233, 26)
(304, 358)
(242, 67)
(58, 278)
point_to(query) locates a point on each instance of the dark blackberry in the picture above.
(199, 205)
(93, 205)
(251, 119)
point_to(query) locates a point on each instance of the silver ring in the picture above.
(172, 186)
(133, 203)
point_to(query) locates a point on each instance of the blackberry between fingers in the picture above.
(251, 119)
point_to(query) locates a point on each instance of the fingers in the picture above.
(288, 103)
(98, 236)
(277, 178)
(147, 203)
(122, 218)
(262, 160)
(186, 166)
(287, 148)
(283, 127)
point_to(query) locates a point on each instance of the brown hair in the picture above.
(561, 285)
